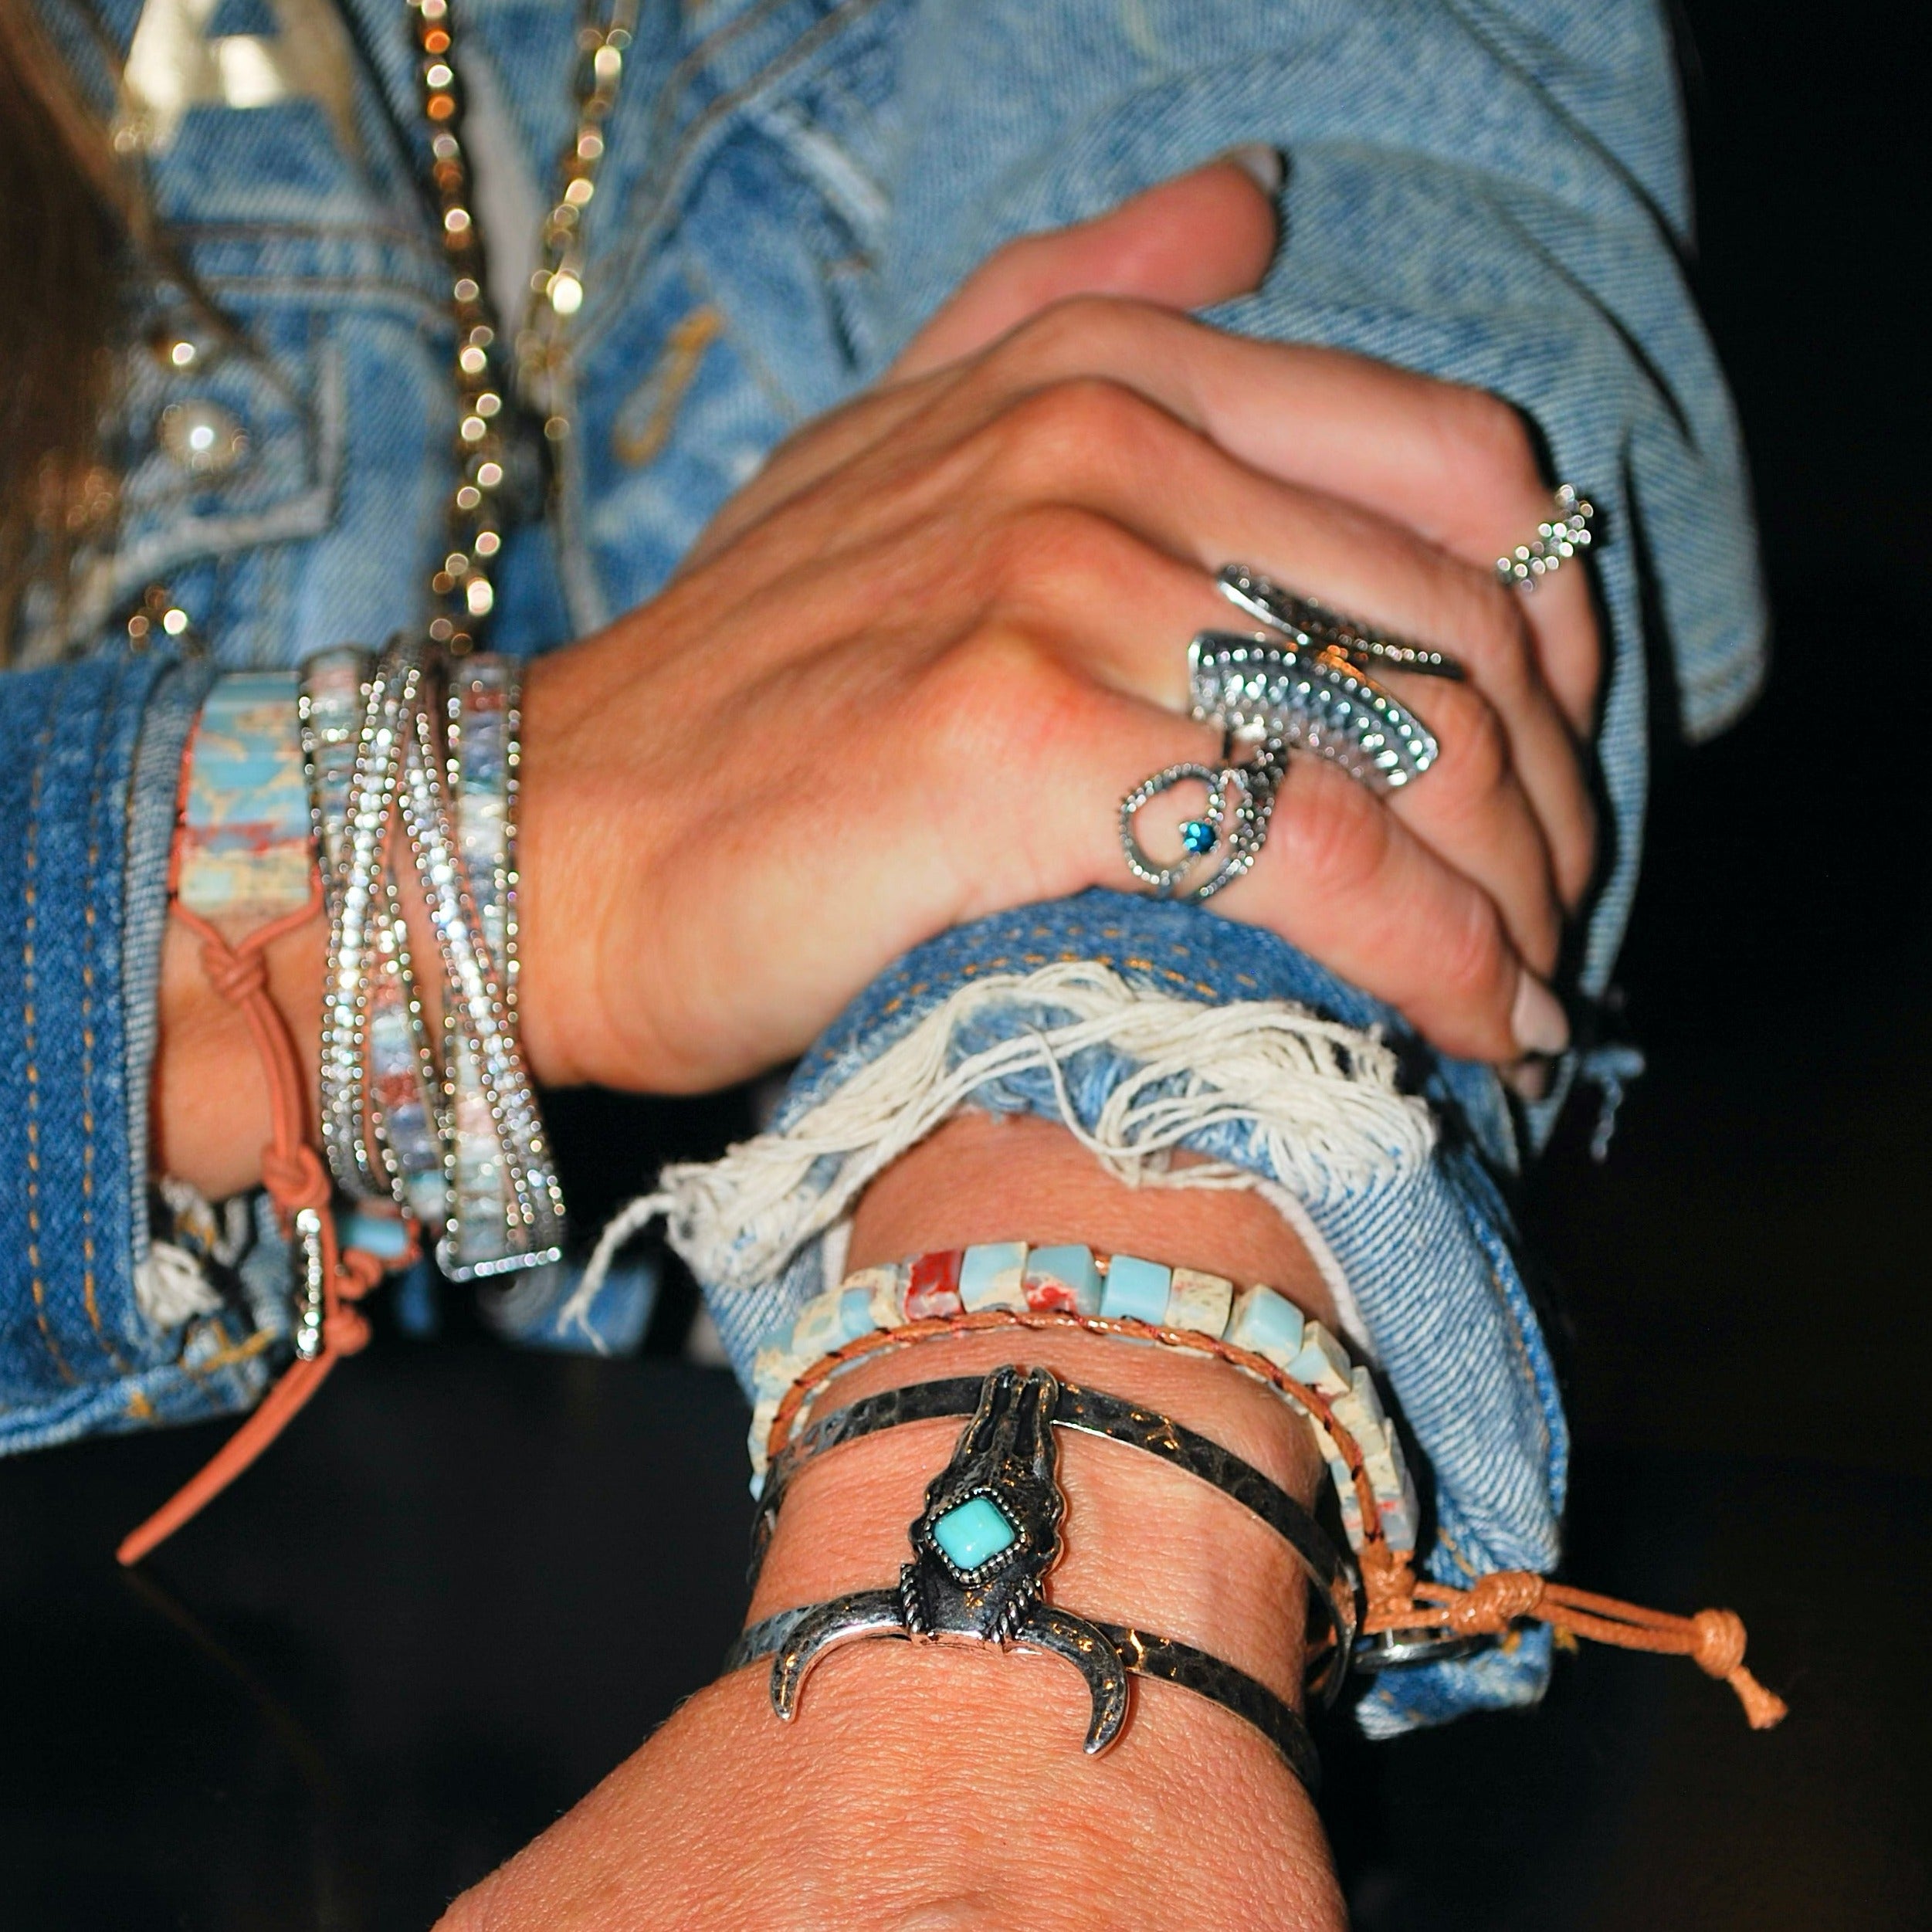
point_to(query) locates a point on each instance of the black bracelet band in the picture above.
(1092, 1412)
(1141, 1652)
(983, 1549)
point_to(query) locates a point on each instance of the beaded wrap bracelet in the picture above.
(242, 874)
(295, 790)
(407, 1118)
(452, 1131)
(483, 711)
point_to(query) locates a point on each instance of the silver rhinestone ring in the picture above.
(1314, 698)
(1565, 532)
(1313, 626)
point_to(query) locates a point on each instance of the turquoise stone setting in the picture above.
(1198, 836)
(974, 1532)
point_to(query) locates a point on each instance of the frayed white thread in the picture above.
(628, 1221)
(170, 1287)
(1321, 1097)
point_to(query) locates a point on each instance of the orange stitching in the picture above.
(660, 396)
(235, 1352)
(29, 1018)
(88, 1296)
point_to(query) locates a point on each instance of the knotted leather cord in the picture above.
(1395, 1599)
(293, 1173)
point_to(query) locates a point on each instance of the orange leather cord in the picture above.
(1492, 1604)
(293, 1172)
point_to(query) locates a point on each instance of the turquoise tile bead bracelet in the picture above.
(1119, 1294)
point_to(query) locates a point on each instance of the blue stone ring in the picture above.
(1224, 840)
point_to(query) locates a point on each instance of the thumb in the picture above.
(1204, 237)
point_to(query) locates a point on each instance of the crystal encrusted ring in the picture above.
(1230, 830)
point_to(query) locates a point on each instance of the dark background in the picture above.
(469, 1582)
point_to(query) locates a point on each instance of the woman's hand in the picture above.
(905, 679)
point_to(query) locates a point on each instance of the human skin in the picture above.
(922, 1787)
(907, 677)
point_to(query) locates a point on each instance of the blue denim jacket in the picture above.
(1487, 190)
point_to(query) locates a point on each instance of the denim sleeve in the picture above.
(89, 764)
(1494, 194)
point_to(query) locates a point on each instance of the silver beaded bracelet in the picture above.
(407, 1116)
(456, 1138)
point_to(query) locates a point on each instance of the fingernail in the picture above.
(1528, 1079)
(1537, 1019)
(1261, 164)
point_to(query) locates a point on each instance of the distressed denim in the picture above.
(1488, 191)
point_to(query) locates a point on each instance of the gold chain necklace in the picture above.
(462, 585)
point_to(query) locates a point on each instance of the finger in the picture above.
(1339, 877)
(1467, 809)
(1206, 236)
(1105, 498)
(1454, 463)
(1108, 564)
(1351, 885)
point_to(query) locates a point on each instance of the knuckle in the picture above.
(1001, 694)
(1476, 619)
(1476, 747)
(1341, 836)
(1047, 544)
(1489, 445)
(1468, 955)
(1089, 413)
(1074, 327)
(1063, 429)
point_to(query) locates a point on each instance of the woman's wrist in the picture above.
(210, 1105)
(945, 1786)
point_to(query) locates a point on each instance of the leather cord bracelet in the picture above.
(982, 1549)
(1092, 1412)
(242, 875)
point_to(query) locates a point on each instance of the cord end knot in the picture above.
(1719, 1649)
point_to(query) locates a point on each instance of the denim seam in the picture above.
(626, 269)
(88, 1111)
(697, 279)
(972, 969)
(173, 706)
(230, 1353)
(29, 933)
(680, 356)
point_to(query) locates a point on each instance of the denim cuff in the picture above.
(89, 771)
(1145, 1027)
